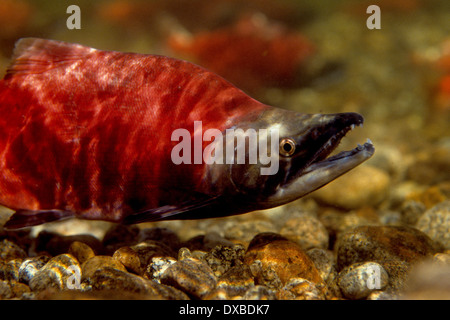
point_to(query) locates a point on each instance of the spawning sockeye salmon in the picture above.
(90, 134)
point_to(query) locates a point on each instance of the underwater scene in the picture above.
(225, 150)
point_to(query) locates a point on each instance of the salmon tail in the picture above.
(28, 218)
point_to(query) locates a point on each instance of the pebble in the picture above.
(390, 217)
(30, 267)
(391, 160)
(395, 248)
(382, 295)
(259, 292)
(113, 280)
(222, 258)
(190, 275)
(60, 272)
(307, 231)
(213, 239)
(157, 267)
(336, 222)
(274, 257)
(90, 266)
(266, 275)
(19, 290)
(363, 186)
(300, 289)
(5, 290)
(359, 280)
(164, 235)
(10, 269)
(13, 290)
(129, 258)
(56, 244)
(411, 211)
(398, 272)
(150, 249)
(435, 222)
(429, 197)
(243, 231)
(236, 281)
(9, 251)
(81, 251)
(431, 166)
(443, 258)
(207, 242)
(382, 244)
(120, 236)
(323, 260)
(217, 294)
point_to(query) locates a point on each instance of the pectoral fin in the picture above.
(186, 210)
(28, 218)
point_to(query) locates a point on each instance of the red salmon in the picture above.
(88, 133)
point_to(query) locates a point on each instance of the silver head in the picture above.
(291, 152)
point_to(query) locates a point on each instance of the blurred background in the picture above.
(309, 56)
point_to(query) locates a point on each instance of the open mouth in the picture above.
(322, 156)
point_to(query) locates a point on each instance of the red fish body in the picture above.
(87, 133)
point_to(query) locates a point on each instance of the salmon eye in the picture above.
(287, 147)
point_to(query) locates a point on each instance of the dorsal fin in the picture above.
(33, 55)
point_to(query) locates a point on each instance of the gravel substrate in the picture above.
(376, 261)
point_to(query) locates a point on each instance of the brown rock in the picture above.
(9, 251)
(286, 258)
(60, 272)
(396, 248)
(10, 270)
(307, 231)
(18, 289)
(383, 244)
(150, 249)
(259, 293)
(115, 283)
(222, 258)
(190, 275)
(359, 280)
(236, 281)
(5, 290)
(435, 222)
(30, 267)
(243, 231)
(429, 197)
(81, 251)
(119, 236)
(57, 244)
(164, 235)
(89, 267)
(363, 186)
(129, 258)
(300, 289)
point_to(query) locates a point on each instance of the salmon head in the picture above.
(296, 164)
(129, 138)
